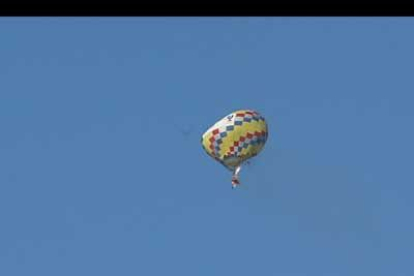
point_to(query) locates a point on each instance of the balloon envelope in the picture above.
(235, 138)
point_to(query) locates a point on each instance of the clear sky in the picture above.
(102, 170)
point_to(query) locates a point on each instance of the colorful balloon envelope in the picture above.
(236, 138)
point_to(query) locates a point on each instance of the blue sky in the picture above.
(102, 171)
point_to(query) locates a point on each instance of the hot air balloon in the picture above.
(234, 139)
